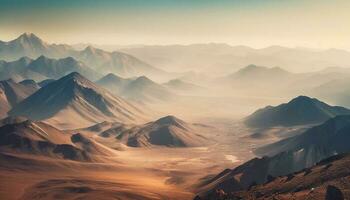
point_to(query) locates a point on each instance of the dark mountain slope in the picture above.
(299, 111)
(287, 156)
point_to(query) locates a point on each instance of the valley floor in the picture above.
(134, 173)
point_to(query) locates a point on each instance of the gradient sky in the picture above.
(257, 23)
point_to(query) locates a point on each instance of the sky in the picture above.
(255, 23)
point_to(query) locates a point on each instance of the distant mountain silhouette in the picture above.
(182, 87)
(336, 90)
(146, 90)
(44, 68)
(301, 110)
(32, 46)
(221, 58)
(113, 83)
(74, 96)
(253, 75)
(115, 62)
(140, 89)
(99, 60)
(16, 70)
(254, 71)
(55, 69)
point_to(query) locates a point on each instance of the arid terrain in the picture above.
(174, 100)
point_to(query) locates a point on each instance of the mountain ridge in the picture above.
(76, 96)
(105, 62)
(301, 110)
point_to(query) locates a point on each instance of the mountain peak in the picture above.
(74, 79)
(75, 96)
(169, 120)
(166, 131)
(112, 82)
(28, 35)
(42, 57)
(70, 60)
(255, 70)
(251, 68)
(302, 100)
(74, 75)
(143, 79)
(24, 59)
(90, 49)
(111, 76)
(175, 81)
(30, 38)
(301, 110)
(28, 82)
(302, 97)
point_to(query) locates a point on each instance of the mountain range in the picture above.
(29, 45)
(75, 97)
(44, 68)
(301, 110)
(182, 87)
(220, 59)
(167, 131)
(255, 79)
(316, 143)
(140, 89)
(335, 91)
(285, 157)
(259, 73)
(32, 46)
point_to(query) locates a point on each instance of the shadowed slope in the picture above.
(287, 156)
(167, 131)
(299, 111)
(317, 182)
(74, 97)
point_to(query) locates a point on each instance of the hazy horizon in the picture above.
(258, 24)
(116, 46)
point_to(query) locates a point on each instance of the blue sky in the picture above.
(257, 23)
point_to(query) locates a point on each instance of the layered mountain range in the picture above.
(140, 89)
(75, 97)
(44, 68)
(29, 45)
(219, 59)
